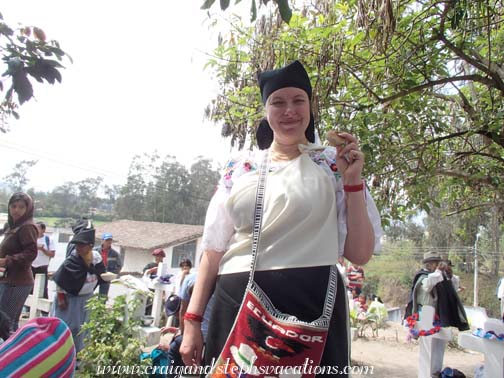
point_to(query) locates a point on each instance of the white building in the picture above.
(136, 240)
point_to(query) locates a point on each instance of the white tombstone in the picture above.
(432, 348)
(492, 349)
(160, 290)
(36, 301)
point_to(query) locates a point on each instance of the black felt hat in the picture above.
(292, 75)
(84, 234)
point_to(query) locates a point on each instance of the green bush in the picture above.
(110, 338)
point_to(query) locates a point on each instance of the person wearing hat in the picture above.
(76, 279)
(427, 278)
(151, 268)
(421, 288)
(316, 209)
(111, 259)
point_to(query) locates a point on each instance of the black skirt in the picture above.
(300, 292)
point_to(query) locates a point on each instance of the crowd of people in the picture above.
(25, 251)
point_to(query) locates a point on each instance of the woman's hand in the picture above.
(351, 160)
(62, 301)
(3, 262)
(192, 343)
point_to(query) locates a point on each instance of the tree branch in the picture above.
(434, 83)
(464, 176)
(498, 158)
(474, 207)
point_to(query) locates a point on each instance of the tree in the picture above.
(409, 230)
(72, 199)
(26, 54)
(87, 195)
(163, 190)
(203, 181)
(18, 179)
(283, 7)
(130, 203)
(61, 201)
(420, 84)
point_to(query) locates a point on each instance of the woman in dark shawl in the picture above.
(76, 280)
(17, 251)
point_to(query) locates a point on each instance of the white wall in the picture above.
(134, 259)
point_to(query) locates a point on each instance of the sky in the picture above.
(136, 85)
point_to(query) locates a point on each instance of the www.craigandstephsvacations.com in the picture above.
(231, 370)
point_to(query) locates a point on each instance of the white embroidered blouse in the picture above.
(304, 207)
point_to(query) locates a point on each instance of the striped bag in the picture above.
(42, 348)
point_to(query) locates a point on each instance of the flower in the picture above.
(411, 321)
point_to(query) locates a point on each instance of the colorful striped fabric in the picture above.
(42, 348)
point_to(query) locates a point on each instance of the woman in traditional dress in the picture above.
(316, 209)
(76, 280)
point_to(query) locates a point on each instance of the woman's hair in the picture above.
(185, 262)
(19, 196)
(28, 215)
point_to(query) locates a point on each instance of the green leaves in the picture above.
(207, 4)
(45, 69)
(27, 54)
(400, 95)
(283, 7)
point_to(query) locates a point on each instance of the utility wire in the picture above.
(94, 170)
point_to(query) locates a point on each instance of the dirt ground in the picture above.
(390, 355)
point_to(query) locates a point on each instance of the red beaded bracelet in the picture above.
(353, 188)
(194, 317)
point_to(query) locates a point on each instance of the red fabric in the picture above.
(353, 188)
(259, 342)
(353, 275)
(194, 317)
(104, 255)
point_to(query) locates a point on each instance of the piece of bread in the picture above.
(108, 276)
(334, 139)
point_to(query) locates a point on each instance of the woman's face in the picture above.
(17, 209)
(288, 113)
(83, 249)
(185, 267)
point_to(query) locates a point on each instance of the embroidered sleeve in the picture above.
(234, 168)
(326, 159)
(219, 226)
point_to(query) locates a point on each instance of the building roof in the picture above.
(149, 235)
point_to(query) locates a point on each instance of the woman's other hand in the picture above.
(351, 160)
(192, 343)
(62, 301)
(3, 262)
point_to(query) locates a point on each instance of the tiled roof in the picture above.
(149, 235)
